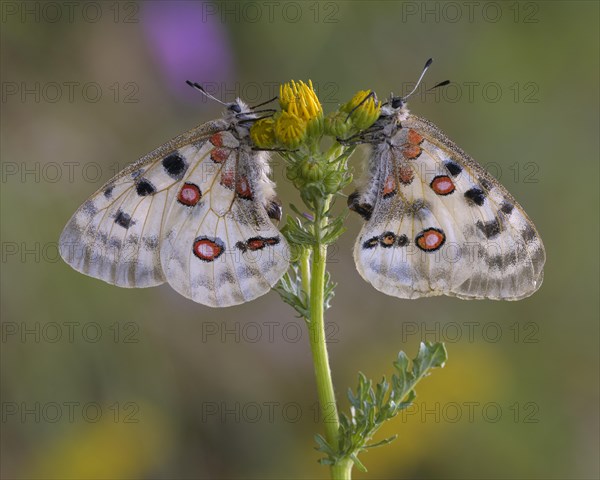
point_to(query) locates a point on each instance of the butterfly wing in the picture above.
(439, 224)
(115, 234)
(118, 234)
(221, 249)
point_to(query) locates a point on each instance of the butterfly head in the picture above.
(239, 110)
(235, 107)
(394, 108)
(240, 117)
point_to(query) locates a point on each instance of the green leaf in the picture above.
(371, 406)
(290, 290)
(358, 463)
(382, 442)
(430, 356)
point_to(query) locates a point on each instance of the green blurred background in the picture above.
(102, 382)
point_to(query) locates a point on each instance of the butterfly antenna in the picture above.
(264, 103)
(441, 84)
(199, 87)
(425, 68)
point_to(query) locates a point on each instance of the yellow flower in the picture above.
(363, 109)
(290, 130)
(300, 100)
(262, 133)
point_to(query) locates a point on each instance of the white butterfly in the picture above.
(195, 213)
(436, 222)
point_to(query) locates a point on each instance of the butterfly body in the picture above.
(195, 213)
(436, 222)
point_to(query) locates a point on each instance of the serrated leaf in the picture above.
(382, 442)
(324, 445)
(358, 463)
(430, 356)
(372, 405)
(290, 290)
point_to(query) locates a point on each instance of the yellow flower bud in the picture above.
(337, 124)
(262, 133)
(290, 130)
(363, 109)
(333, 181)
(311, 169)
(300, 100)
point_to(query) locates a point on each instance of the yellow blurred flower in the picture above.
(262, 133)
(290, 130)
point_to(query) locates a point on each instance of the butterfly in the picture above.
(196, 212)
(436, 222)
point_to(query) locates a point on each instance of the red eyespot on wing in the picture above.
(389, 186)
(219, 155)
(406, 174)
(255, 244)
(242, 188)
(227, 179)
(216, 140)
(442, 185)
(272, 241)
(411, 152)
(414, 138)
(207, 249)
(189, 194)
(430, 239)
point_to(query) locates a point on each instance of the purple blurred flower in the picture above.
(187, 44)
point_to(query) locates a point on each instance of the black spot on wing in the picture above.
(132, 239)
(495, 261)
(418, 209)
(363, 209)
(175, 166)
(528, 233)
(453, 167)
(475, 195)
(109, 191)
(114, 243)
(489, 229)
(143, 188)
(486, 183)
(151, 242)
(123, 219)
(506, 207)
(89, 209)
(371, 243)
(226, 277)
(502, 261)
(387, 239)
(402, 240)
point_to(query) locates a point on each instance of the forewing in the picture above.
(220, 248)
(115, 234)
(442, 225)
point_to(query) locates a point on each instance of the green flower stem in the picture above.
(318, 345)
(342, 470)
(316, 328)
(305, 270)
